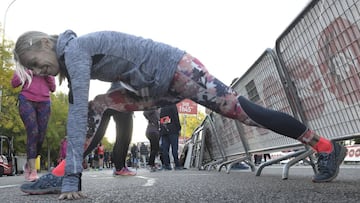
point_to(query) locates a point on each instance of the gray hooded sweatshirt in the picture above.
(145, 65)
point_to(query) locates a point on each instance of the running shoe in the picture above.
(26, 170)
(33, 176)
(153, 169)
(328, 163)
(124, 172)
(46, 184)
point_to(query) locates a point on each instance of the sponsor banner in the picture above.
(187, 106)
(353, 153)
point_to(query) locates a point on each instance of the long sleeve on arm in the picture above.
(15, 81)
(78, 66)
(51, 82)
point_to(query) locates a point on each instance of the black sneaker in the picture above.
(167, 168)
(328, 164)
(153, 169)
(46, 184)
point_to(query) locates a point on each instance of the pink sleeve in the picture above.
(15, 81)
(51, 82)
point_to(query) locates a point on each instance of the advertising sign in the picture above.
(187, 106)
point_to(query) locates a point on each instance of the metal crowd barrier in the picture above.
(206, 149)
(264, 83)
(313, 74)
(320, 54)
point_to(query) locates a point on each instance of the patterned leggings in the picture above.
(193, 81)
(35, 116)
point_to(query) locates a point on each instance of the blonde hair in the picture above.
(27, 42)
(24, 75)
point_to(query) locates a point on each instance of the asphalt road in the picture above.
(192, 185)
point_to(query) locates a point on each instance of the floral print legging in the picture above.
(192, 80)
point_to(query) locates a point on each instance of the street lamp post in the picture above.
(3, 45)
(4, 22)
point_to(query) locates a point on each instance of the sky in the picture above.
(227, 36)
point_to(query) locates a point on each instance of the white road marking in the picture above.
(149, 181)
(7, 186)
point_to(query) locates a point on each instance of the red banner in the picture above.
(187, 106)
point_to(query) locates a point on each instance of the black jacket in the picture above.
(169, 120)
(143, 149)
(153, 122)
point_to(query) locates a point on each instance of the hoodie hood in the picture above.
(63, 40)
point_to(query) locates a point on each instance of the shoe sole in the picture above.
(124, 175)
(32, 180)
(133, 174)
(341, 158)
(41, 192)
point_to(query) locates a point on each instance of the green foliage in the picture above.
(10, 121)
(107, 145)
(190, 122)
(57, 126)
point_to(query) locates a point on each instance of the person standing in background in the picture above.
(144, 152)
(153, 135)
(169, 131)
(101, 151)
(106, 159)
(34, 110)
(62, 151)
(134, 158)
(96, 159)
(124, 127)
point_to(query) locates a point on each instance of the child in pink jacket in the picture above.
(34, 110)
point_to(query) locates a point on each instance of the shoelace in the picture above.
(322, 163)
(46, 181)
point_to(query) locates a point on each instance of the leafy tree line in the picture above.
(189, 123)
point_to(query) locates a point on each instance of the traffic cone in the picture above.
(59, 170)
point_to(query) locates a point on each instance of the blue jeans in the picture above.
(167, 141)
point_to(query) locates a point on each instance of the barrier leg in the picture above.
(299, 156)
(235, 162)
(210, 165)
(251, 164)
(274, 161)
(188, 156)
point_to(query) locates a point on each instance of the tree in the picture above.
(10, 121)
(107, 145)
(56, 128)
(190, 124)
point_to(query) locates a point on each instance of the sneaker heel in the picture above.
(79, 186)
